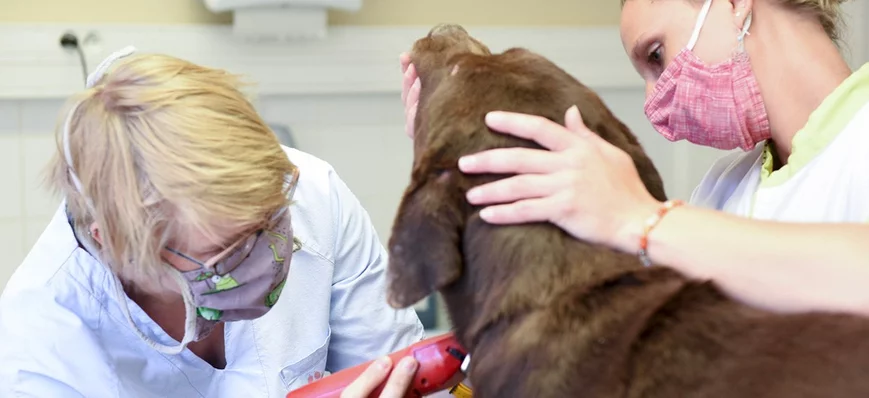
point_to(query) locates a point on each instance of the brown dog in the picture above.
(546, 315)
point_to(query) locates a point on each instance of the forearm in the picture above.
(778, 266)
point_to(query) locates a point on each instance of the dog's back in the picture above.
(545, 315)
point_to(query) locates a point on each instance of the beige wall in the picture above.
(120, 11)
(483, 12)
(374, 12)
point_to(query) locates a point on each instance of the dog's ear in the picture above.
(425, 245)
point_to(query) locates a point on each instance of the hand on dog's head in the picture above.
(436, 230)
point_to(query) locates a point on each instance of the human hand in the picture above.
(397, 385)
(409, 92)
(583, 184)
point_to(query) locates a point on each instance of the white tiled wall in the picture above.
(26, 144)
(362, 136)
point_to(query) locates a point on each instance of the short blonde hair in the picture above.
(162, 145)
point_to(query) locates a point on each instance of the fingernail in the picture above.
(473, 195)
(409, 364)
(466, 162)
(486, 214)
(494, 117)
(416, 83)
(384, 363)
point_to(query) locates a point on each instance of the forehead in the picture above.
(643, 18)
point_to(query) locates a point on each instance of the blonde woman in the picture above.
(193, 256)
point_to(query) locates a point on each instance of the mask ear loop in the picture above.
(101, 69)
(190, 309)
(189, 318)
(744, 32)
(94, 77)
(290, 184)
(698, 26)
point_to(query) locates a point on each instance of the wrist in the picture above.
(634, 224)
(638, 233)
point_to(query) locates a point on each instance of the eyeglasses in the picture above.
(227, 260)
(230, 258)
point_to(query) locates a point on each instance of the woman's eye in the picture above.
(655, 56)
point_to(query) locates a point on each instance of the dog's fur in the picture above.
(546, 315)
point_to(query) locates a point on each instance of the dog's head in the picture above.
(438, 50)
(436, 230)
(432, 209)
(435, 57)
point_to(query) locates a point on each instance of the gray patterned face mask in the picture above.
(244, 281)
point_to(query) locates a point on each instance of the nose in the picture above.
(650, 87)
(446, 29)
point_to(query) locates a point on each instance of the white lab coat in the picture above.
(62, 332)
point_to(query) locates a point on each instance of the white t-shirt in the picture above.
(826, 178)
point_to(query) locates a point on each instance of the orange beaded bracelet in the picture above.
(651, 223)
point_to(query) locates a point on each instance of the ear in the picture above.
(94, 230)
(424, 248)
(741, 11)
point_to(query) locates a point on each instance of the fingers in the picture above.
(409, 79)
(512, 160)
(372, 377)
(400, 379)
(411, 105)
(413, 93)
(404, 59)
(523, 211)
(545, 132)
(520, 187)
(410, 119)
(573, 120)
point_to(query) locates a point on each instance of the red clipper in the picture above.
(439, 359)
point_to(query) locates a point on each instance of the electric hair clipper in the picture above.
(440, 358)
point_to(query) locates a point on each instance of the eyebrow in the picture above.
(638, 48)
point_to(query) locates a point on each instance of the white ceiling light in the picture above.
(277, 20)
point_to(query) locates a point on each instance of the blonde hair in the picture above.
(827, 12)
(162, 145)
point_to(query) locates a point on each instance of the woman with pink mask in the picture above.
(781, 224)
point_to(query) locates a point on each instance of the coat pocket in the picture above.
(308, 369)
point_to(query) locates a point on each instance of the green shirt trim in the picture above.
(823, 125)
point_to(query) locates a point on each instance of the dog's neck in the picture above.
(511, 270)
(526, 285)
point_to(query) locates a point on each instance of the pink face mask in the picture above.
(711, 105)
